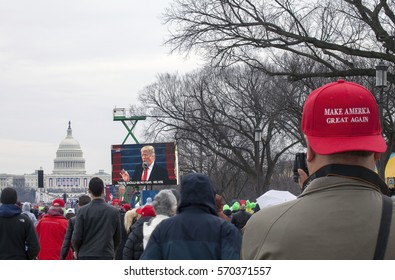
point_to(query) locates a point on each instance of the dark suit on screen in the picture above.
(158, 173)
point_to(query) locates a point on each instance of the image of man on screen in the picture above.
(149, 170)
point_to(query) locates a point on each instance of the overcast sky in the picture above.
(75, 61)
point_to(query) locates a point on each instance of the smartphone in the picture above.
(300, 163)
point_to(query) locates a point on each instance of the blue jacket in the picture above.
(196, 232)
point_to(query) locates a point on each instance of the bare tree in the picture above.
(337, 37)
(229, 181)
(217, 112)
(294, 38)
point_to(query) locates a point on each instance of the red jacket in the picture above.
(51, 231)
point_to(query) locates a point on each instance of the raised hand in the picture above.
(125, 175)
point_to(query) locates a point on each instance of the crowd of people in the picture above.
(112, 230)
(344, 211)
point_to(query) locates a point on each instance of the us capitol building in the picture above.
(68, 176)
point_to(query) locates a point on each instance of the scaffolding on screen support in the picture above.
(129, 122)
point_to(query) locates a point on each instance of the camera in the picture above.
(300, 163)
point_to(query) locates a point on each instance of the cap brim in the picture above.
(332, 145)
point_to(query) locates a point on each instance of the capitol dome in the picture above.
(69, 157)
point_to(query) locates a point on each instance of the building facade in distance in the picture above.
(69, 174)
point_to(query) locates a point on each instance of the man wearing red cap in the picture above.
(344, 211)
(51, 230)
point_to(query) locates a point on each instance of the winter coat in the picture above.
(18, 238)
(134, 244)
(335, 218)
(119, 252)
(66, 246)
(149, 227)
(240, 218)
(196, 232)
(51, 230)
(97, 231)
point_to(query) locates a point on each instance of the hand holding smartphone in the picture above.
(299, 163)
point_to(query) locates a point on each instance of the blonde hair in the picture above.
(149, 149)
(129, 219)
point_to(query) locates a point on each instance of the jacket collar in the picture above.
(355, 172)
(332, 182)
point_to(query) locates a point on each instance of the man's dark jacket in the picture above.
(119, 252)
(134, 244)
(97, 231)
(240, 218)
(196, 231)
(67, 239)
(18, 237)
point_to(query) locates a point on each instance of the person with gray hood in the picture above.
(165, 205)
(196, 232)
(26, 211)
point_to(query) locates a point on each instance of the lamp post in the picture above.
(257, 140)
(381, 83)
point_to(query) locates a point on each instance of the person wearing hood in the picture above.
(165, 206)
(18, 238)
(196, 232)
(51, 231)
(26, 211)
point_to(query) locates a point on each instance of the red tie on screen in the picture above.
(145, 174)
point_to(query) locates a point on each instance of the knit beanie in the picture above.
(235, 206)
(8, 196)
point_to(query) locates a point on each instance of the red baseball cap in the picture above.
(58, 202)
(115, 201)
(342, 116)
(146, 211)
(126, 206)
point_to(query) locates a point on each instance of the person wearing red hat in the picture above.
(126, 207)
(344, 212)
(134, 244)
(51, 230)
(116, 203)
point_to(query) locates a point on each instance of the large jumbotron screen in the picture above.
(163, 171)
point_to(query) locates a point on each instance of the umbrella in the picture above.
(274, 197)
